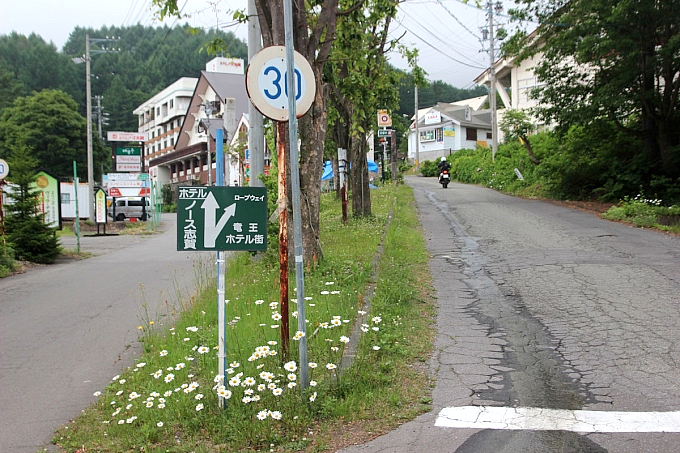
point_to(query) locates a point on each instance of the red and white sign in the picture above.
(384, 118)
(116, 136)
(114, 192)
(129, 167)
(128, 159)
(433, 117)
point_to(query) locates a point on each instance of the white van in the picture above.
(123, 208)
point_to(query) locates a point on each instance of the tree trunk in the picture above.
(312, 133)
(530, 150)
(361, 197)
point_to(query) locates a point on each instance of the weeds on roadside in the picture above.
(169, 400)
(646, 213)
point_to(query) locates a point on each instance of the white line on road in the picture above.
(532, 418)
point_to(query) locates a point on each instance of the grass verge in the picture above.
(644, 213)
(168, 400)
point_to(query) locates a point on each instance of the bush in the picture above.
(7, 263)
(428, 168)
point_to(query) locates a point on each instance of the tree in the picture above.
(10, 89)
(314, 25)
(516, 125)
(359, 82)
(49, 124)
(610, 60)
(31, 239)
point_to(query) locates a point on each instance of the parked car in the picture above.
(129, 207)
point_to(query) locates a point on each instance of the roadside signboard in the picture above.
(117, 136)
(100, 206)
(221, 218)
(384, 118)
(129, 158)
(128, 184)
(49, 198)
(267, 83)
(384, 132)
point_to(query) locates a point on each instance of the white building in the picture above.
(162, 116)
(217, 101)
(446, 128)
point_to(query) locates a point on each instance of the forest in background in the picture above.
(150, 59)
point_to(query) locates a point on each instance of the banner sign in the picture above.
(116, 136)
(49, 203)
(221, 218)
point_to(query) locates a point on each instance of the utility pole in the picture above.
(99, 115)
(88, 95)
(90, 165)
(417, 130)
(255, 119)
(492, 81)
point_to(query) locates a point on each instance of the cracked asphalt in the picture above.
(547, 307)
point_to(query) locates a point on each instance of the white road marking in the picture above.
(533, 418)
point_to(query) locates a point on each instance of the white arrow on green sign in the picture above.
(221, 218)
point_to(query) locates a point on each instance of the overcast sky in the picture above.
(446, 32)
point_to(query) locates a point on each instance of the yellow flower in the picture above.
(140, 327)
(151, 323)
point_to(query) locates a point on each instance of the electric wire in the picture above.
(438, 50)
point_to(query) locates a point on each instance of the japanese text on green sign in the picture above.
(222, 218)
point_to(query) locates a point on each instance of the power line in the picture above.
(439, 50)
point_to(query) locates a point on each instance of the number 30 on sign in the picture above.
(267, 83)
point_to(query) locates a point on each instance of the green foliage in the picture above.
(49, 124)
(646, 213)
(621, 67)
(7, 263)
(428, 168)
(31, 239)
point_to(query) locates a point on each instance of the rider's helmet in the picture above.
(443, 159)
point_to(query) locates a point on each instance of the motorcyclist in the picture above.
(443, 165)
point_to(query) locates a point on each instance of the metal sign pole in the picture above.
(295, 185)
(221, 307)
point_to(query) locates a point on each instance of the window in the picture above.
(172, 141)
(489, 135)
(158, 132)
(158, 111)
(439, 135)
(471, 134)
(165, 143)
(65, 198)
(427, 136)
(165, 128)
(172, 103)
(153, 134)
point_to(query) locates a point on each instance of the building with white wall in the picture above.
(446, 128)
(161, 117)
(218, 101)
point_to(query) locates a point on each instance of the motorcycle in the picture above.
(444, 178)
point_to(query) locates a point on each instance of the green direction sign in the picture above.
(221, 218)
(384, 132)
(129, 151)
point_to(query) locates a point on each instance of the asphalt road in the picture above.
(543, 307)
(68, 328)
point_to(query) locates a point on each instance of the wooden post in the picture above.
(283, 236)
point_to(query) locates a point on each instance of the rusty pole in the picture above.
(283, 236)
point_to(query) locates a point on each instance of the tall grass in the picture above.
(169, 400)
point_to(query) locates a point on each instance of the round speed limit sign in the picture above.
(4, 169)
(267, 83)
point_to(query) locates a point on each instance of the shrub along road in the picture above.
(63, 327)
(570, 317)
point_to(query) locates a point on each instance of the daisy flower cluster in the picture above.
(174, 379)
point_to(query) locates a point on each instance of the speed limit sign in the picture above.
(267, 83)
(4, 169)
(384, 118)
